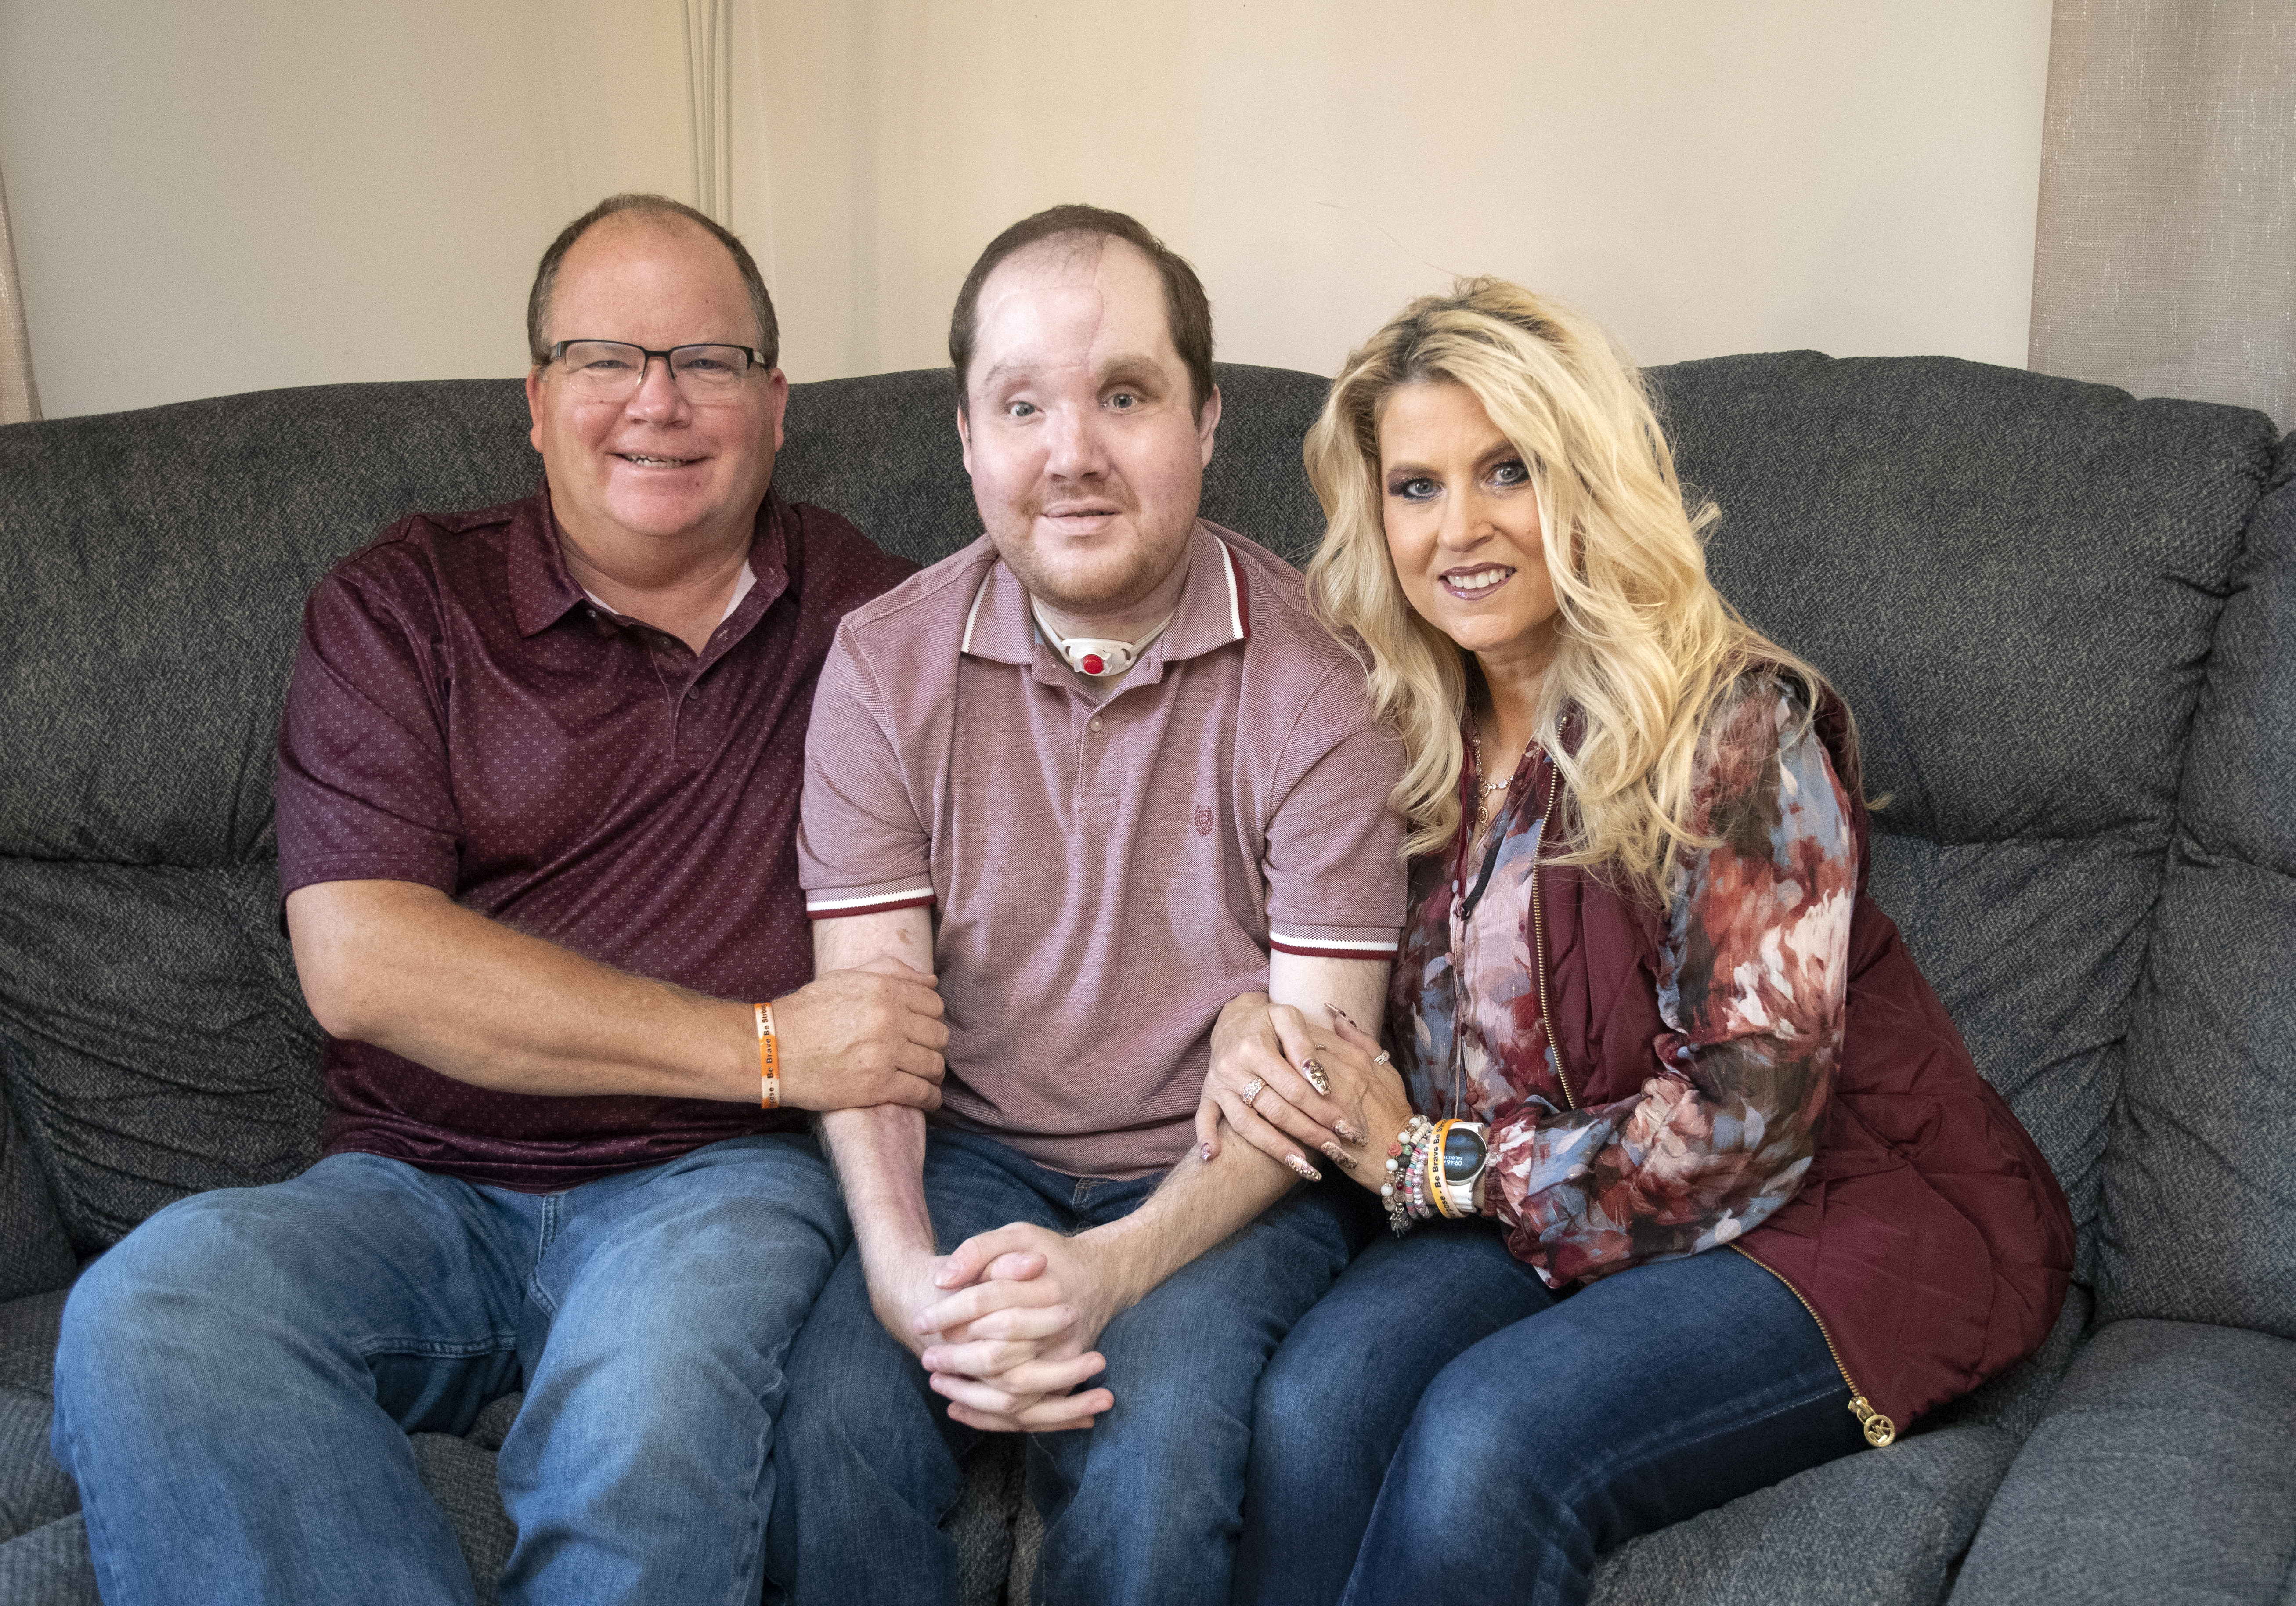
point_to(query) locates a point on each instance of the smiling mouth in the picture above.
(644, 461)
(1475, 582)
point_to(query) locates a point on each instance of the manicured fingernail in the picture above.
(1204, 1152)
(1333, 1153)
(1303, 1168)
(1348, 1135)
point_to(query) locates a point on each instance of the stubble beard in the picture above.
(1106, 584)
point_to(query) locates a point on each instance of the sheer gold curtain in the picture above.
(20, 398)
(2165, 260)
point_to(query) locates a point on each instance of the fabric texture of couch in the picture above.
(2065, 619)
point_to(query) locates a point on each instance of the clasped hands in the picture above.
(1006, 1325)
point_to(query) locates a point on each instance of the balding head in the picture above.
(637, 210)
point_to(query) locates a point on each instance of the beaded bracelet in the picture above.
(1404, 1191)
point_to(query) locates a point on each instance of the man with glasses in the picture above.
(537, 797)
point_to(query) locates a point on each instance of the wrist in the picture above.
(1124, 1260)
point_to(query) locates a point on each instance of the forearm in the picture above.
(1200, 1206)
(1203, 1203)
(879, 1155)
(405, 968)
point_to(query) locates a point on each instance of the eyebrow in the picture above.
(1125, 365)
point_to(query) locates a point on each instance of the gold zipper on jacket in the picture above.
(1879, 1429)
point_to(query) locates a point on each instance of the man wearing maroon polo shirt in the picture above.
(537, 795)
(1104, 774)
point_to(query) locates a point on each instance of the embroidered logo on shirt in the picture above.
(1204, 819)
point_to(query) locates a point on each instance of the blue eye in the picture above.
(1418, 489)
(1124, 401)
(1510, 473)
(1019, 409)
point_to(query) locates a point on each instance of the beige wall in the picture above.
(242, 193)
(1703, 178)
(255, 192)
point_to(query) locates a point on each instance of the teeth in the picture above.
(1483, 580)
(657, 463)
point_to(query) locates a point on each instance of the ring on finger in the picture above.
(1252, 1091)
(1383, 1058)
(1314, 1072)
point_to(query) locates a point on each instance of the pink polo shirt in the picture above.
(1109, 867)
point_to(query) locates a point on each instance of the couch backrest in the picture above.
(2199, 1218)
(2014, 579)
(152, 1037)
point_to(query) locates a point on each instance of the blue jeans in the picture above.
(1443, 1428)
(237, 1379)
(1143, 1505)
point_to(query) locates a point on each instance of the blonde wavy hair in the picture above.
(1647, 645)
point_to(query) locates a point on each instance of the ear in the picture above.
(964, 436)
(1208, 423)
(534, 407)
(777, 403)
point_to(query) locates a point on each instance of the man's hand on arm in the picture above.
(404, 967)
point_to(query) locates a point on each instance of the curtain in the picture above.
(20, 398)
(2165, 257)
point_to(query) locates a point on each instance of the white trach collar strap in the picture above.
(1090, 654)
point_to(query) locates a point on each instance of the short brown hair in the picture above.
(1186, 309)
(545, 276)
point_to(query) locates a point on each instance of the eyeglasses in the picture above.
(613, 370)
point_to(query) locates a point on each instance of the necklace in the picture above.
(1484, 789)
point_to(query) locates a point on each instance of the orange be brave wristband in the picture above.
(769, 1060)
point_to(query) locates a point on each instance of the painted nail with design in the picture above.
(1204, 1152)
(1348, 1135)
(1337, 1156)
(1303, 1168)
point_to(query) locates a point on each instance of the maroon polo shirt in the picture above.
(464, 716)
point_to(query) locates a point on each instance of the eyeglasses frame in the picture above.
(756, 358)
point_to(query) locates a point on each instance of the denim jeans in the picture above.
(1141, 1506)
(1441, 1426)
(237, 1379)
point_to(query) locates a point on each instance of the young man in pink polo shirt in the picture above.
(1105, 775)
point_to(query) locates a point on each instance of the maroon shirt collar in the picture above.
(542, 592)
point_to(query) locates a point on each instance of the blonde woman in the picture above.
(1692, 1183)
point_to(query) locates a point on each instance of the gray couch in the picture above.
(2065, 619)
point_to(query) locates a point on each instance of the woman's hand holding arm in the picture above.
(1274, 1044)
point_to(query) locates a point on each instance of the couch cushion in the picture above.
(156, 1041)
(1878, 1527)
(49, 1567)
(29, 1328)
(34, 1252)
(2013, 579)
(34, 1490)
(461, 1478)
(2160, 1473)
(2199, 1220)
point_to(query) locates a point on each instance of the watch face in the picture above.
(1462, 1153)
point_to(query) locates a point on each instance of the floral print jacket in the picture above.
(1751, 980)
